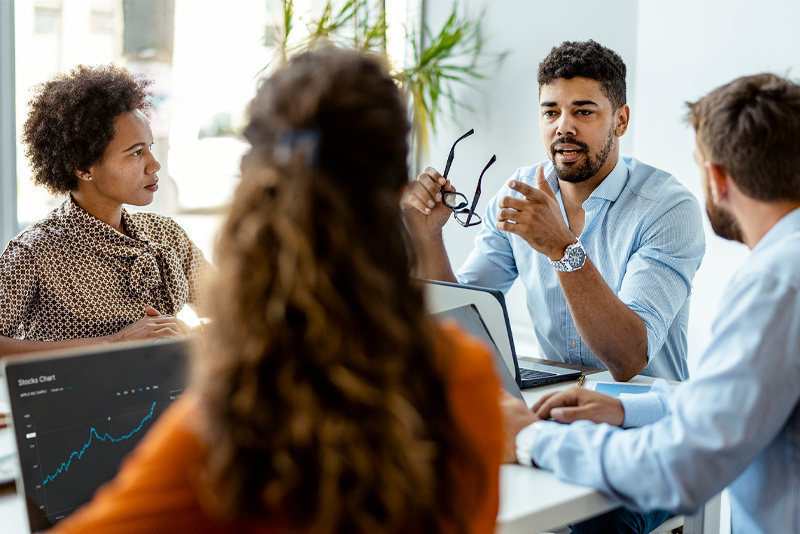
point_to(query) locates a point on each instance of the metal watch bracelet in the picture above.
(524, 443)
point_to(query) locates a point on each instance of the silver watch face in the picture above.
(576, 257)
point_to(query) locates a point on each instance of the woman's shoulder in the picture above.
(463, 356)
(45, 232)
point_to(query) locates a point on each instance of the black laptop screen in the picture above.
(76, 417)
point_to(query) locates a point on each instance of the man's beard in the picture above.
(586, 169)
(722, 222)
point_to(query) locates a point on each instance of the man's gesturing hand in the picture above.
(576, 403)
(536, 218)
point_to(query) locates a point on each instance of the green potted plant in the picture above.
(440, 61)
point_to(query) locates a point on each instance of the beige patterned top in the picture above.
(71, 275)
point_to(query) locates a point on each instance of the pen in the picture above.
(580, 382)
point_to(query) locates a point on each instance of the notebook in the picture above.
(470, 319)
(491, 305)
(77, 413)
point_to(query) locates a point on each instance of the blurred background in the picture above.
(207, 56)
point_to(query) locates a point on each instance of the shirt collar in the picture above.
(789, 224)
(95, 225)
(609, 189)
(613, 184)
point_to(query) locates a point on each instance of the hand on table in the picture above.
(536, 218)
(152, 326)
(516, 416)
(577, 403)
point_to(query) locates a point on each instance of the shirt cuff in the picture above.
(543, 449)
(641, 409)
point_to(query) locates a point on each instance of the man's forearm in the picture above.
(432, 260)
(610, 329)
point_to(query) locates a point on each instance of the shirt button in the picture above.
(573, 344)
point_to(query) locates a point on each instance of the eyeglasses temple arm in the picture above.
(453, 153)
(478, 188)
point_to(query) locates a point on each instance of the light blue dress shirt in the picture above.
(736, 423)
(644, 233)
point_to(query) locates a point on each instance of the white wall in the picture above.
(674, 50)
(686, 49)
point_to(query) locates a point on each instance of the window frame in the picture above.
(9, 226)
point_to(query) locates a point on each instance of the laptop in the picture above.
(470, 319)
(491, 305)
(77, 413)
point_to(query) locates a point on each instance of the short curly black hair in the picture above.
(71, 121)
(587, 59)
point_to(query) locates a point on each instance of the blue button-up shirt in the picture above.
(644, 233)
(736, 423)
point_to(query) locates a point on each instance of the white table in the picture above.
(531, 500)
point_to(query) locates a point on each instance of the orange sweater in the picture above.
(155, 489)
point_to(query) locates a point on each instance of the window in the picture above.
(205, 57)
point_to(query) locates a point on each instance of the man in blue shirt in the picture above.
(618, 297)
(736, 423)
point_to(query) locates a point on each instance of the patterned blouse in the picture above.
(71, 275)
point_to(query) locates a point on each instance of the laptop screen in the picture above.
(77, 415)
(471, 320)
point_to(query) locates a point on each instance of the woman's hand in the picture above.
(151, 326)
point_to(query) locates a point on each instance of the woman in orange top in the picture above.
(327, 401)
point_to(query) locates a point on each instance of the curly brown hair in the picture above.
(71, 121)
(587, 59)
(326, 408)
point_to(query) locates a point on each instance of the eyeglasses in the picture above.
(457, 202)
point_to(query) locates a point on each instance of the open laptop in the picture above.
(77, 413)
(470, 319)
(491, 305)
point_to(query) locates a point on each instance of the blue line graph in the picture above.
(105, 437)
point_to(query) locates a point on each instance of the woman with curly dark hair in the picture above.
(322, 404)
(91, 271)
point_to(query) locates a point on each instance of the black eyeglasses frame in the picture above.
(457, 202)
(466, 217)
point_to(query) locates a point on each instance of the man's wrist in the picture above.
(558, 253)
(573, 259)
(524, 443)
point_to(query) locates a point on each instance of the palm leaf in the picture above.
(454, 56)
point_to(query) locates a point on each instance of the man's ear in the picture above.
(623, 116)
(719, 182)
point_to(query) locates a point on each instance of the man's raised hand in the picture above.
(536, 218)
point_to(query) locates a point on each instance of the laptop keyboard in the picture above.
(530, 374)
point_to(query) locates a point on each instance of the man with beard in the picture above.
(618, 296)
(736, 423)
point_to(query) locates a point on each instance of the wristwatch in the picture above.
(574, 258)
(524, 443)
